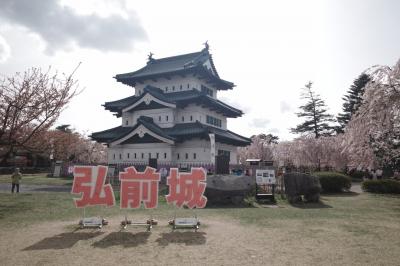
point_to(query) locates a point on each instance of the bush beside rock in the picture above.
(333, 181)
(299, 184)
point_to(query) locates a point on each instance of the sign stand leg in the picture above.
(197, 221)
(173, 221)
(126, 220)
(81, 223)
(150, 222)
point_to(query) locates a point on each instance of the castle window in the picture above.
(159, 118)
(177, 156)
(207, 90)
(128, 155)
(180, 87)
(188, 86)
(186, 156)
(142, 155)
(157, 155)
(194, 156)
(214, 121)
(120, 156)
(135, 155)
(183, 119)
(165, 155)
(166, 89)
(191, 118)
(166, 118)
(126, 122)
(149, 155)
(114, 156)
(173, 88)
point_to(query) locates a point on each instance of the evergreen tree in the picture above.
(315, 114)
(352, 101)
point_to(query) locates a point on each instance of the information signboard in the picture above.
(265, 177)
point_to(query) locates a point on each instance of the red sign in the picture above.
(137, 187)
(89, 182)
(187, 188)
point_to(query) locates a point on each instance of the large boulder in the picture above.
(228, 189)
(299, 184)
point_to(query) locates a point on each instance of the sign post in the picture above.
(212, 149)
(89, 183)
(265, 184)
(139, 188)
(187, 189)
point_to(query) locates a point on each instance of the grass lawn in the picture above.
(38, 179)
(357, 229)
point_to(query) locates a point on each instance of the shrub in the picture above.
(357, 174)
(333, 181)
(298, 184)
(381, 186)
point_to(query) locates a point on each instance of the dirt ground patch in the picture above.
(219, 242)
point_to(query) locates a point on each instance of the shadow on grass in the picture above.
(229, 206)
(62, 241)
(187, 238)
(124, 239)
(311, 205)
(53, 188)
(341, 194)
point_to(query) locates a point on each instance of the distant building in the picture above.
(172, 113)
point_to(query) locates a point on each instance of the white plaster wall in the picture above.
(146, 148)
(199, 114)
(199, 146)
(174, 84)
(175, 81)
(156, 114)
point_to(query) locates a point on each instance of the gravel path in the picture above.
(356, 187)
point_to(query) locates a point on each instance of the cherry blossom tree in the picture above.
(30, 103)
(312, 153)
(372, 137)
(260, 148)
(65, 144)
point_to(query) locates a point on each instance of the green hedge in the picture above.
(381, 186)
(333, 181)
(357, 174)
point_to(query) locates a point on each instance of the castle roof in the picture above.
(177, 133)
(193, 63)
(158, 99)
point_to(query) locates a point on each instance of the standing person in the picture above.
(379, 174)
(15, 178)
(373, 172)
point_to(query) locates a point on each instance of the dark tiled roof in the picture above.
(118, 105)
(186, 63)
(181, 99)
(167, 64)
(150, 125)
(179, 132)
(110, 134)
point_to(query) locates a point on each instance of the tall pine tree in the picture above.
(317, 120)
(352, 101)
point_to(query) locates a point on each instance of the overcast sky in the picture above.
(269, 49)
